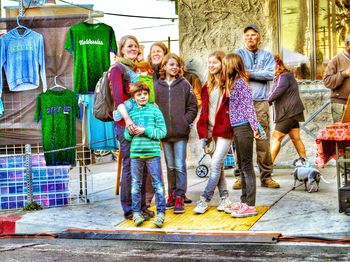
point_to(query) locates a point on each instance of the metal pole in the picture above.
(169, 42)
(313, 63)
(28, 170)
(20, 8)
(279, 28)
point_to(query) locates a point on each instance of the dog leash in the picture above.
(293, 188)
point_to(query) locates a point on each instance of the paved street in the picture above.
(84, 250)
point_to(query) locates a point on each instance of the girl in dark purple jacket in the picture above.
(176, 100)
(287, 110)
(214, 123)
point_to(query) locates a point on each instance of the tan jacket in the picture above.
(336, 79)
(195, 83)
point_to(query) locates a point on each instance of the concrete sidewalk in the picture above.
(292, 212)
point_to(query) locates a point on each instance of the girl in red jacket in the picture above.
(214, 123)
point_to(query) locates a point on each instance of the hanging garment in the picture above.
(23, 59)
(58, 111)
(97, 130)
(90, 44)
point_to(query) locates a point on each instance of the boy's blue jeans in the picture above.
(125, 183)
(175, 158)
(153, 167)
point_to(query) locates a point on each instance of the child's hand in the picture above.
(139, 131)
(130, 126)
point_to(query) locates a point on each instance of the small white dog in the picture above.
(303, 172)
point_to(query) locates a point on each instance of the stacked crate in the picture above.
(50, 183)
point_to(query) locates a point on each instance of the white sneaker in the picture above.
(233, 207)
(224, 203)
(202, 206)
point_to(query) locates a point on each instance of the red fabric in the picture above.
(222, 126)
(326, 142)
(118, 89)
(8, 224)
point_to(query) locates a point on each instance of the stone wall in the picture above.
(208, 25)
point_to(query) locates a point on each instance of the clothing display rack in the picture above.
(17, 128)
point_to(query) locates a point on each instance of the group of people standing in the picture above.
(234, 109)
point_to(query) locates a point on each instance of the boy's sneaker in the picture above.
(224, 203)
(170, 202)
(138, 219)
(179, 207)
(147, 214)
(202, 206)
(159, 220)
(245, 211)
(233, 207)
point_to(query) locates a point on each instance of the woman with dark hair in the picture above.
(287, 110)
(155, 57)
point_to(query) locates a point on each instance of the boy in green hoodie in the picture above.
(145, 134)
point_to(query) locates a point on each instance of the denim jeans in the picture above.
(217, 176)
(244, 139)
(175, 158)
(153, 167)
(263, 152)
(125, 183)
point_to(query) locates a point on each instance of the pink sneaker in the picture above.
(245, 211)
(233, 207)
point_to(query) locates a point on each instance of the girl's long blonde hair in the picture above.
(216, 81)
(233, 69)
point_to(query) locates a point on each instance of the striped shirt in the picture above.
(147, 144)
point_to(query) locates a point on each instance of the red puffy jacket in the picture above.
(222, 126)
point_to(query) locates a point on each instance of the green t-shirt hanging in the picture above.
(90, 44)
(58, 111)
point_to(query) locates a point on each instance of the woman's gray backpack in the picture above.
(103, 103)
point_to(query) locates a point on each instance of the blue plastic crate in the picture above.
(12, 202)
(50, 184)
(12, 188)
(38, 174)
(44, 199)
(229, 161)
(52, 199)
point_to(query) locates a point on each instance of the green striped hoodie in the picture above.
(148, 144)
